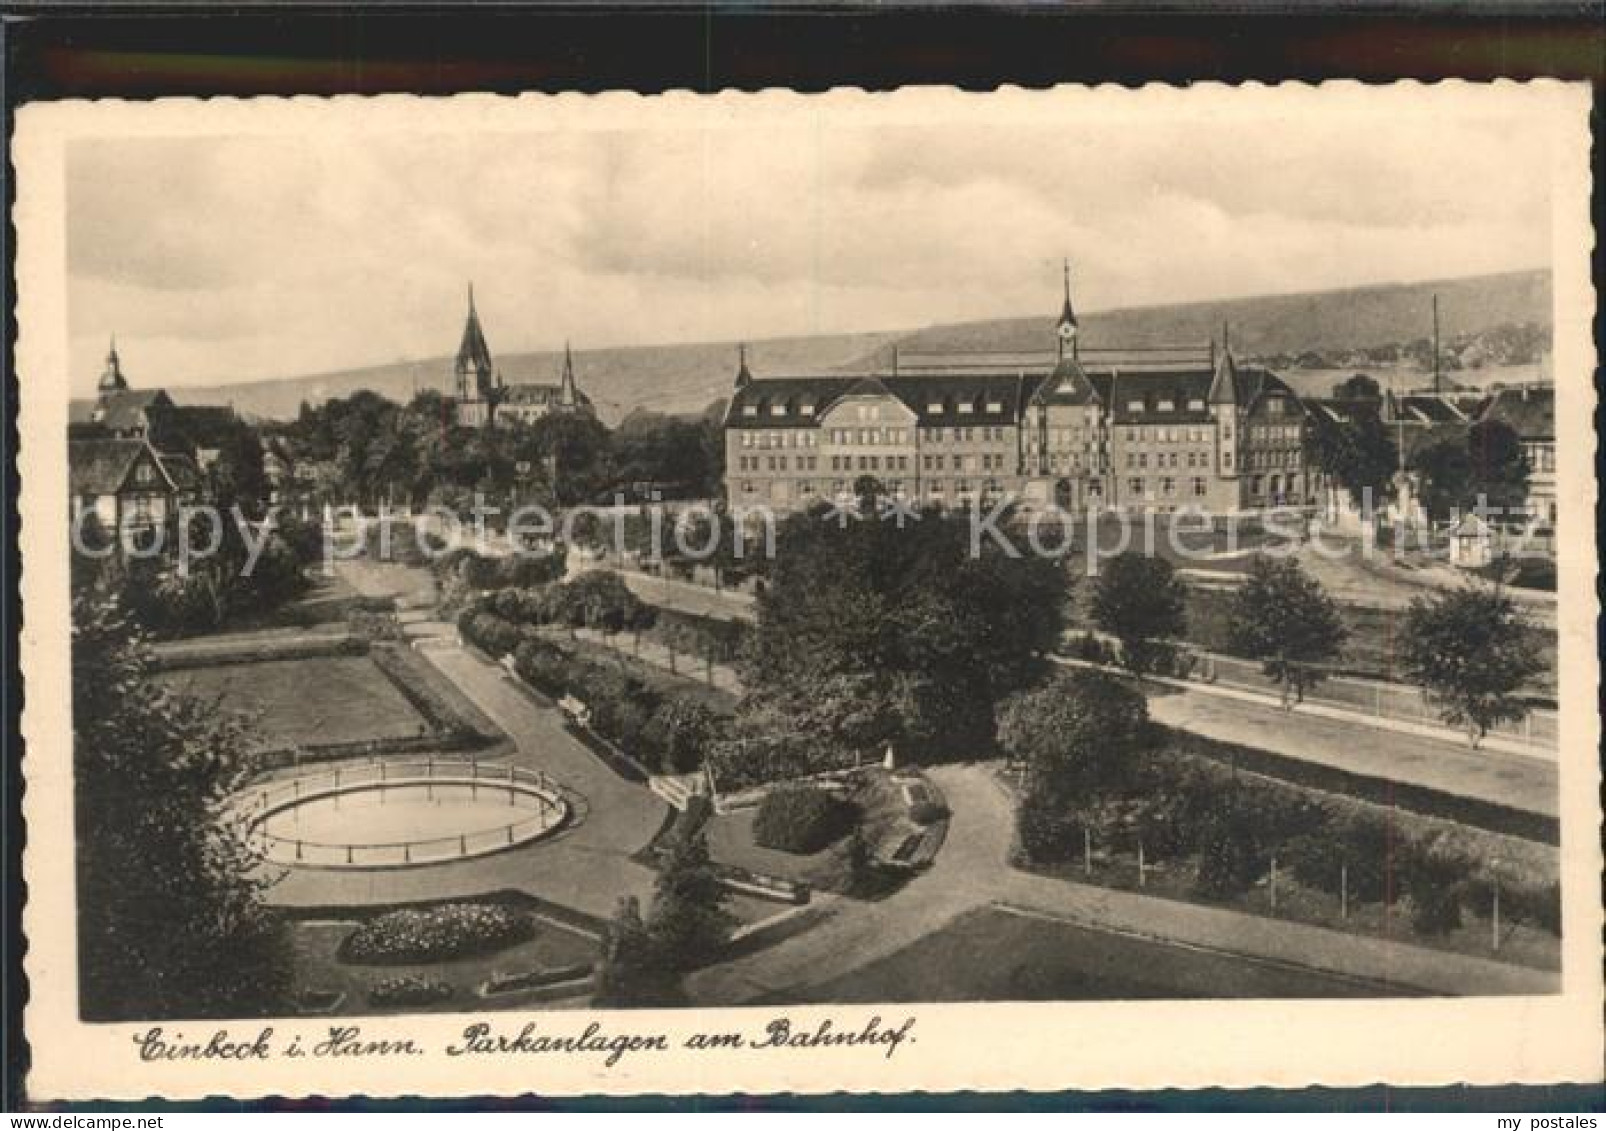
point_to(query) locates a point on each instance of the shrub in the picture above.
(1539, 904)
(1231, 850)
(490, 633)
(1434, 883)
(1361, 843)
(679, 733)
(1046, 831)
(927, 813)
(435, 934)
(802, 819)
(408, 990)
(541, 665)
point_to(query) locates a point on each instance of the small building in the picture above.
(123, 482)
(1471, 542)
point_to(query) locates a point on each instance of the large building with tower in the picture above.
(481, 397)
(1077, 428)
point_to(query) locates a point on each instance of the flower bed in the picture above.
(409, 990)
(436, 934)
(449, 713)
(526, 980)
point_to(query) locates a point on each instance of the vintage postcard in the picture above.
(842, 592)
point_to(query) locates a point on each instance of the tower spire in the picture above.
(1066, 328)
(111, 378)
(567, 394)
(743, 376)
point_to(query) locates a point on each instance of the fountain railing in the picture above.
(543, 795)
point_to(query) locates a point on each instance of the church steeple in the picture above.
(743, 375)
(111, 378)
(568, 394)
(1066, 328)
(474, 370)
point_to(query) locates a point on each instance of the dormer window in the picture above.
(934, 407)
(1168, 405)
(1134, 406)
(749, 410)
(995, 406)
(777, 410)
(806, 409)
(965, 408)
(1196, 405)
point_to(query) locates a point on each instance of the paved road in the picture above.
(586, 867)
(1514, 780)
(972, 870)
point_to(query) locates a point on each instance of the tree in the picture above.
(689, 923)
(631, 973)
(1358, 456)
(1076, 732)
(170, 917)
(1470, 650)
(1358, 387)
(681, 729)
(1484, 469)
(1282, 617)
(1138, 600)
(869, 633)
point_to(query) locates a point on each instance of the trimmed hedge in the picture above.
(803, 819)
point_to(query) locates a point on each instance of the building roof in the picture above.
(953, 400)
(538, 394)
(102, 466)
(204, 425)
(128, 409)
(1161, 397)
(181, 470)
(1069, 384)
(1530, 411)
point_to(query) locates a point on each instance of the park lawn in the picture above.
(314, 945)
(308, 701)
(998, 954)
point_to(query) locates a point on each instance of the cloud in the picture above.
(219, 259)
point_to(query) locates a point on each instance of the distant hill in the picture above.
(686, 378)
(669, 379)
(1270, 325)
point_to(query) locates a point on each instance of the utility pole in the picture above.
(1435, 345)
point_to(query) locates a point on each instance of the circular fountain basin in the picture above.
(399, 814)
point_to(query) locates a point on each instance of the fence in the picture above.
(1368, 697)
(523, 789)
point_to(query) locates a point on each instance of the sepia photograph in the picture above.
(512, 569)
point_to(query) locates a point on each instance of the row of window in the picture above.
(989, 434)
(1164, 404)
(869, 463)
(1288, 458)
(1140, 460)
(1137, 486)
(987, 461)
(775, 463)
(791, 438)
(1274, 432)
(863, 436)
(1141, 434)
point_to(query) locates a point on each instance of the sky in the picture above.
(223, 259)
